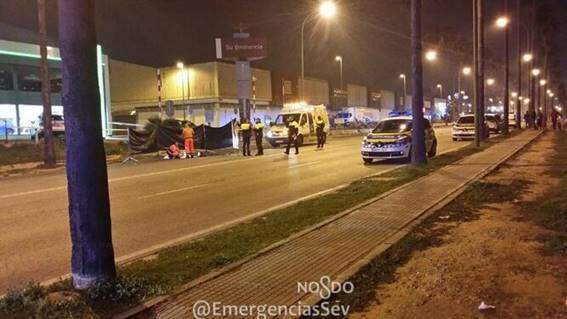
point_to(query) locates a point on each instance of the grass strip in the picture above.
(173, 267)
(28, 152)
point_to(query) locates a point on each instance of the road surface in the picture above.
(157, 202)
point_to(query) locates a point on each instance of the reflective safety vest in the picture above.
(245, 126)
(294, 124)
(259, 126)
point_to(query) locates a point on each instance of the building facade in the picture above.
(21, 106)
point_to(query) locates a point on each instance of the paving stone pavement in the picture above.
(271, 278)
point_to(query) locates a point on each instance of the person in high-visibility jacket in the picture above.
(188, 137)
(246, 130)
(292, 134)
(320, 129)
(259, 135)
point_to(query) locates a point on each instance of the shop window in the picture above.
(28, 79)
(6, 79)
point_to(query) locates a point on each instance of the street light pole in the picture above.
(440, 87)
(403, 77)
(503, 22)
(519, 40)
(340, 60)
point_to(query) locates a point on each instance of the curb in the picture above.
(214, 274)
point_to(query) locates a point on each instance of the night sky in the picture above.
(371, 35)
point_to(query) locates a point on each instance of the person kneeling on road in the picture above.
(246, 131)
(173, 152)
(292, 134)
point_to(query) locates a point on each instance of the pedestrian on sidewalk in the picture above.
(527, 119)
(189, 139)
(533, 117)
(539, 120)
(292, 135)
(246, 131)
(321, 135)
(258, 136)
(554, 117)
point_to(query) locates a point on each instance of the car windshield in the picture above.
(282, 119)
(393, 126)
(466, 120)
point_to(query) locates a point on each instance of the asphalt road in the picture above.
(157, 202)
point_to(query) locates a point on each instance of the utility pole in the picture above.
(507, 71)
(418, 151)
(49, 160)
(92, 253)
(481, 82)
(519, 40)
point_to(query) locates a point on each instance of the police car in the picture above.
(391, 138)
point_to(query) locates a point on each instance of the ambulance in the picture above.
(306, 115)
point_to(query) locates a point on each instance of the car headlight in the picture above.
(364, 141)
(270, 134)
(403, 140)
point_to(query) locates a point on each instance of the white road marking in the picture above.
(172, 191)
(304, 164)
(34, 192)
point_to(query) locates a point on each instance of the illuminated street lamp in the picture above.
(467, 70)
(527, 57)
(502, 22)
(514, 94)
(490, 81)
(536, 72)
(542, 82)
(431, 55)
(327, 10)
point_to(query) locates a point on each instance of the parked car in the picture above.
(464, 128)
(494, 122)
(391, 138)
(58, 127)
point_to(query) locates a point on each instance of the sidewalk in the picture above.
(338, 248)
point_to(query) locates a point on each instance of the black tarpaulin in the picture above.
(206, 137)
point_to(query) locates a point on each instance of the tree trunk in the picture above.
(418, 155)
(48, 147)
(89, 208)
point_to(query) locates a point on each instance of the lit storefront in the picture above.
(20, 88)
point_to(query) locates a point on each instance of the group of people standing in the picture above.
(537, 120)
(247, 131)
(257, 130)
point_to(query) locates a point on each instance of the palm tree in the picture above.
(49, 147)
(418, 155)
(92, 257)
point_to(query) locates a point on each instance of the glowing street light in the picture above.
(440, 87)
(431, 55)
(502, 22)
(542, 82)
(536, 72)
(514, 94)
(526, 101)
(527, 57)
(180, 65)
(467, 70)
(328, 9)
(490, 81)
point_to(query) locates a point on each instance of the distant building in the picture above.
(200, 93)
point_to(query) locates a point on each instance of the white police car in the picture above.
(391, 138)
